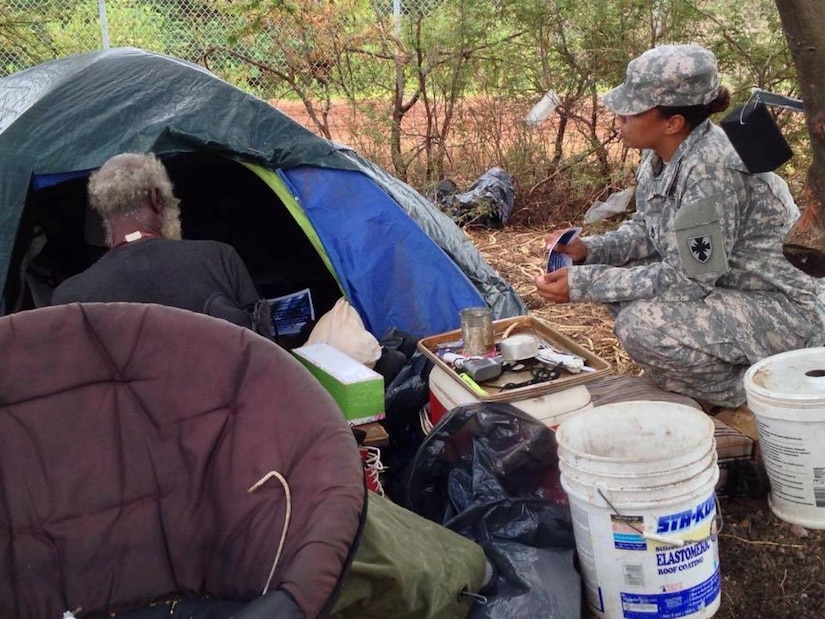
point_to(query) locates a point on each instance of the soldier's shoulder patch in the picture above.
(700, 240)
(701, 247)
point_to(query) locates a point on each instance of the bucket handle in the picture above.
(715, 529)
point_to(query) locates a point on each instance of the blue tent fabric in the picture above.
(497, 292)
(63, 118)
(41, 181)
(391, 253)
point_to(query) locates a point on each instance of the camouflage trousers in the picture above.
(703, 348)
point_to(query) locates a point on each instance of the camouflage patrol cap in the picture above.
(669, 75)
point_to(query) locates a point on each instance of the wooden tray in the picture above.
(451, 342)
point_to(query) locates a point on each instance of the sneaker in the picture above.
(373, 467)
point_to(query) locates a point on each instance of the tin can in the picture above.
(477, 330)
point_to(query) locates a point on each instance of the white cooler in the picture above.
(550, 408)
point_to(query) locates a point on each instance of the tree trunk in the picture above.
(802, 24)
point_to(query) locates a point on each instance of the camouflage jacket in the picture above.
(702, 222)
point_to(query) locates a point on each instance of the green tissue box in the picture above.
(358, 390)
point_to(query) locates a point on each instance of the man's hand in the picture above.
(553, 286)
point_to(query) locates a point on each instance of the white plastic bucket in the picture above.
(640, 478)
(550, 408)
(786, 393)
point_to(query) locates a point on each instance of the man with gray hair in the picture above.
(148, 262)
(697, 277)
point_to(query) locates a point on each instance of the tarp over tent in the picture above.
(246, 174)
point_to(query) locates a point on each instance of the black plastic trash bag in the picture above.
(404, 398)
(488, 202)
(490, 472)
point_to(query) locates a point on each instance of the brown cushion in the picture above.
(129, 435)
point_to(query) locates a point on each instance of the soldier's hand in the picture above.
(553, 286)
(576, 249)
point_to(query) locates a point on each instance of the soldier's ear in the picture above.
(675, 124)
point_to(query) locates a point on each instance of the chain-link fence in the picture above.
(33, 31)
(231, 38)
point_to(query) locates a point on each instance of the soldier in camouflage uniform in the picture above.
(697, 277)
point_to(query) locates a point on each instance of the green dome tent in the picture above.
(303, 212)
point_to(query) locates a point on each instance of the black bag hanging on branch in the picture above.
(754, 133)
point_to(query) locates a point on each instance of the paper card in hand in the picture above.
(291, 312)
(555, 259)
